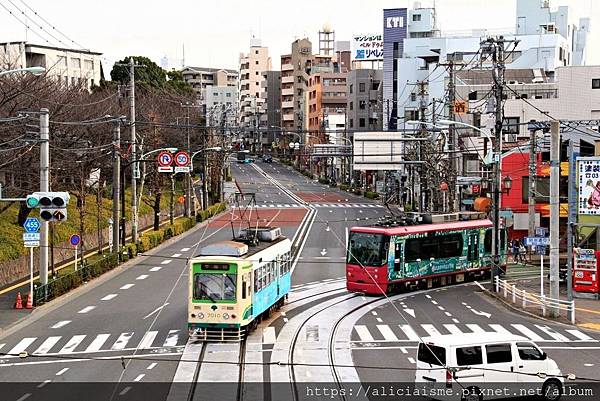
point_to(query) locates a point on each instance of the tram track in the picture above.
(196, 373)
(242, 368)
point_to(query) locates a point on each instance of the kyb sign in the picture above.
(394, 22)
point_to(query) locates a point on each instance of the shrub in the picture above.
(371, 195)
(323, 181)
(344, 187)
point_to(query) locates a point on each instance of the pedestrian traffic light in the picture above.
(52, 205)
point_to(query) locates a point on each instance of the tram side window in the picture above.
(257, 280)
(487, 241)
(442, 246)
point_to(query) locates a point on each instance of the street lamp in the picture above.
(507, 184)
(32, 70)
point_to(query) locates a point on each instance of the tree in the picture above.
(149, 73)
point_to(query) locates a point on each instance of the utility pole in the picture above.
(116, 185)
(134, 173)
(188, 178)
(572, 219)
(423, 133)
(453, 138)
(532, 180)
(204, 175)
(44, 187)
(554, 211)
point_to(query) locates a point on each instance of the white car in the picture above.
(479, 366)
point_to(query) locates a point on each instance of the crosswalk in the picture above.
(317, 205)
(410, 333)
(83, 343)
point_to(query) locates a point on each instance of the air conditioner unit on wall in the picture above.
(510, 138)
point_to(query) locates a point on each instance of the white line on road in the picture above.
(121, 341)
(453, 329)
(127, 286)
(125, 390)
(151, 366)
(176, 255)
(142, 277)
(172, 338)
(269, 335)
(455, 320)
(580, 335)
(475, 328)
(72, 344)
(185, 249)
(155, 310)
(97, 343)
(498, 328)
(441, 308)
(379, 319)
(139, 377)
(386, 332)
(374, 313)
(409, 332)
(87, 309)
(60, 324)
(24, 397)
(156, 268)
(363, 333)
(527, 332)
(42, 384)
(22, 345)
(148, 340)
(60, 372)
(434, 302)
(411, 360)
(552, 333)
(165, 262)
(47, 345)
(430, 329)
(109, 297)
(448, 314)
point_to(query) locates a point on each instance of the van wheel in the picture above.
(552, 390)
(472, 393)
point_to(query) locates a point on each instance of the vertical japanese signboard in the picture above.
(588, 185)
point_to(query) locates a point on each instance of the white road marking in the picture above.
(475, 328)
(60, 372)
(185, 249)
(269, 335)
(97, 343)
(24, 397)
(527, 332)
(434, 302)
(151, 366)
(72, 344)
(448, 314)
(2, 345)
(60, 324)
(285, 319)
(127, 286)
(121, 341)
(410, 311)
(363, 333)
(379, 319)
(176, 255)
(47, 345)
(430, 329)
(22, 345)
(125, 390)
(453, 329)
(148, 340)
(455, 320)
(142, 277)
(109, 297)
(588, 364)
(172, 338)
(498, 328)
(42, 384)
(409, 332)
(155, 310)
(441, 308)
(139, 377)
(374, 313)
(580, 335)
(411, 360)
(165, 262)
(87, 309)
(386, 332)
(552, 333)
(156, 268)
(403, 350)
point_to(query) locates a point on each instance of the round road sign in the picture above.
(182, 159)
(165, 159)
(75, 239)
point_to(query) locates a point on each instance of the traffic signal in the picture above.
(52, 205)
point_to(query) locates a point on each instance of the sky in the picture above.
(214, 33)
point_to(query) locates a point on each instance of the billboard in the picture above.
(367, 47)
(588, 185)
(394, 33)
(381, 151)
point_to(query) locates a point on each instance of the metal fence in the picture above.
(531, 300)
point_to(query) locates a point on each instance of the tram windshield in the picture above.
(214, 287)
(367, 249)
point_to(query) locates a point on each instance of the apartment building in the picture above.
(70, 66)
(220, 105)
(295, 68)
(326, 97)
(271, 118)
(200, 78)
(365, 95)
(251, 89)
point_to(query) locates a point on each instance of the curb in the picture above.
(40, 311)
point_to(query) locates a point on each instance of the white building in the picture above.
(251, 84)
(69, 66)
(220, 102)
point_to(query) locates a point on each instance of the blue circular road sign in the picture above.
(75, 239)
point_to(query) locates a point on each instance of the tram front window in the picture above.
(214, 287)
(368, 249)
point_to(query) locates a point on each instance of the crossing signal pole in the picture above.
(44, 187)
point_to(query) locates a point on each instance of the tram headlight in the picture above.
(200, 315)
(225, 316)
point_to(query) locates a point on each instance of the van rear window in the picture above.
(432, 354)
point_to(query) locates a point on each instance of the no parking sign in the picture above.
(165, 160)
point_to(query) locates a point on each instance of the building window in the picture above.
(511, 125)
(89, 64)
(76, 63)
(361, 122)
(351, 123)
(351, 87)
(351, 105)
(361, 87)
(256, 72)
(413, 97)
(228, 94)
(416, 17)
(256, 62)
(362, 104)
(596, 83)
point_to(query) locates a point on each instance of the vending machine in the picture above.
(586, 270)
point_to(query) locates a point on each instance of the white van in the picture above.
(479, 366)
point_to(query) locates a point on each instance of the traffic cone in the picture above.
(19, 303)
(29, 304)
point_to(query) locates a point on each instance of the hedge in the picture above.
(210, 212)
(371, 195)
(92, 269)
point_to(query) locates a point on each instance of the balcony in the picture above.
(287, 67)
(287, 105)
(288, 117)
(287, 80)
(287, 92)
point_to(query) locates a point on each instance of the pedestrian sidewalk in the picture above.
(527, 277)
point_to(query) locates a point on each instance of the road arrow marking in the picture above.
(481, 313)
(324, 252)
(410, 311)
(155, 310)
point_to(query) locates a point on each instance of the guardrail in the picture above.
(530, 299)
